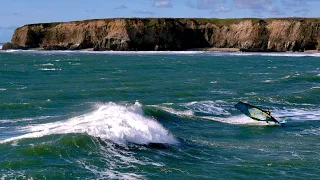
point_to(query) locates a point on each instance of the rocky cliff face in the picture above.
(171, 34)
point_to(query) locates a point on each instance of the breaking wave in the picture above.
(206, 53)
(118, 123)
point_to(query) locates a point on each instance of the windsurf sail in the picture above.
(254, 112)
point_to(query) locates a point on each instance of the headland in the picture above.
(172, 34)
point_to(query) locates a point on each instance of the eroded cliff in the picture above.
(171, 34)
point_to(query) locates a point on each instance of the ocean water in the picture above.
(157, 115)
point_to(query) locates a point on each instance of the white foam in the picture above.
(302, 114)
(50, 69)
(187, 113)
(3, 89)
(118, 123)
(208, 107)
(224, 92)
(207, 53)
(48, 64)
(239, 120)
(24, 87)
(312, 131)
(24, 119)
(251, 94)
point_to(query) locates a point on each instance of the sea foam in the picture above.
(118, 123)
(192, 53)
(239, 120)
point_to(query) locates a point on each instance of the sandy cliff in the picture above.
(171, 34)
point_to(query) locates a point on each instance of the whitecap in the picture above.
(24, 119)
(301, 114)
(207, 107)
(186, 113)
(240, 120)
(50, 69)
(117, 123)
(251, 94)
(192, 53)
(311, 131)
(48, 64)
(223, 92)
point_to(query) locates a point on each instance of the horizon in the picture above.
(17, 13)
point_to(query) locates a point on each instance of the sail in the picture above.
(254, 112)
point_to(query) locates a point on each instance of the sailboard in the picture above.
(255, 113)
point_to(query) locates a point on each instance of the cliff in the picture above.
(136, 34)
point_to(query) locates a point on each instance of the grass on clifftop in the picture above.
(218, 22)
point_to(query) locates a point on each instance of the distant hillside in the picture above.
(153, 34)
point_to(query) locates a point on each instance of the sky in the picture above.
(16, 13)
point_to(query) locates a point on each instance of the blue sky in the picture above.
(15, 13)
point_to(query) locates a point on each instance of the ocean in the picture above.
(158, 115)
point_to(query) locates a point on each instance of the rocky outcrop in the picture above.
(9, 45)
(171, 34)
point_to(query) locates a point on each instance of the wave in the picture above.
(300, 114)
(24, 119)
(208, 107)
(181, 113)
(239, 120)
(225, 112)
(206, 53)
(117, 123)
(301, 77)
(50, 69)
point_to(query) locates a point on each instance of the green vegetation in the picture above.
(149, 22)
(152, 22)
(225, 22)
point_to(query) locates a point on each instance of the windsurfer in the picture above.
(268, 112)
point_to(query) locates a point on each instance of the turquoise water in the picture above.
(167, 115)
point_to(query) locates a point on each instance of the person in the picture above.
(268, 112)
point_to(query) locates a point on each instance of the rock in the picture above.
(53, 47)
(112, 43)
(9, 45)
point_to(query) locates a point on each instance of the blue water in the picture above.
(164, 115)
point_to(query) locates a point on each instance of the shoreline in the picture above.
(194, 52)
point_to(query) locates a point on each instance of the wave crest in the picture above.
(117, 123)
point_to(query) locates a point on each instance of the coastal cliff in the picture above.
(161, 34)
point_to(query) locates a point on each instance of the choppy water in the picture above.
(160, 115)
